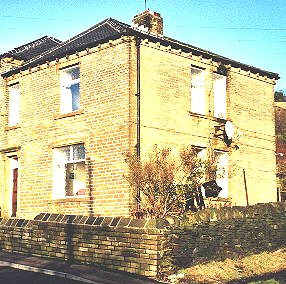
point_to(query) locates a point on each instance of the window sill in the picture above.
(195, 114)
(204, 116)
(221, 199)
(221, 120)
(217, 202)
(70, 199)
(74, 113)
(11, 127)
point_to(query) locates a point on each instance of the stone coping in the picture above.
(202, 216)
(259, 210)
(112, 222)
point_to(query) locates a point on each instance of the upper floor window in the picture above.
(69, 171)
(198, 104)
(70, 95)
(14, 105)
(220, 96)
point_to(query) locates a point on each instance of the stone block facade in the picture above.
(167, 120)
(113, 74)
(102, 125)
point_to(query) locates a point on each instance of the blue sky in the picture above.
(250, 31)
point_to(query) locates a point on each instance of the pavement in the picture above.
(77, 272)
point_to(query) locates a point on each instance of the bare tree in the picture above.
(280, 129)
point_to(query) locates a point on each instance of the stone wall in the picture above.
(5, 65)
(102, 124)
(167, 120)
(149, 247)
(115, 243)
(216, 234)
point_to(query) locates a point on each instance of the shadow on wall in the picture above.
(90, 185)
(69, 234)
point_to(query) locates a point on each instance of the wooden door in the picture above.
(14, 193)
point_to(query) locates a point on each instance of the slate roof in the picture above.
(111, 29)
(32, 49)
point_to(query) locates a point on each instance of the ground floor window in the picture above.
(69, 171)
(220, 158)
(222, 172)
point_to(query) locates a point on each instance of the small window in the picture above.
(69, 171)
(14, 105)
(222, 172)
(70, 93)
(198, 104)
(220, 96)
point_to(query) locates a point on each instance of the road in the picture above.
(14, 276)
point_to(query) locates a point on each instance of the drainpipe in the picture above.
(138, 122)
(138, 42)
(4, 166)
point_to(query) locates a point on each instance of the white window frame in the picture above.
(198, 99)
(14, 105)
(222, 172)
(61, 163)
(67, 100)
(201, 155)
(221, 158)
(219, 96)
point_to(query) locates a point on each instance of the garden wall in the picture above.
(216, 234)
(148, 247)
(116, 243)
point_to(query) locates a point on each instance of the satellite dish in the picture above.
(229, 130)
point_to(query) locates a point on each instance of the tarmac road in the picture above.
(15, 276)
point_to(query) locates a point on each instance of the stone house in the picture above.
(70, 110)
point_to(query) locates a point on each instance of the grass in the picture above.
(263, 268)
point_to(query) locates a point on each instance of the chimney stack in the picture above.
(149, 21)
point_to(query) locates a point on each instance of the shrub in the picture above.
(163, 184)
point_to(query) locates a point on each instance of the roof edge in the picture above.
(34, 42)
(13, 52)
(129, 30)
(72, 51)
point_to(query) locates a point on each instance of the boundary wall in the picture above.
(149, 247)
